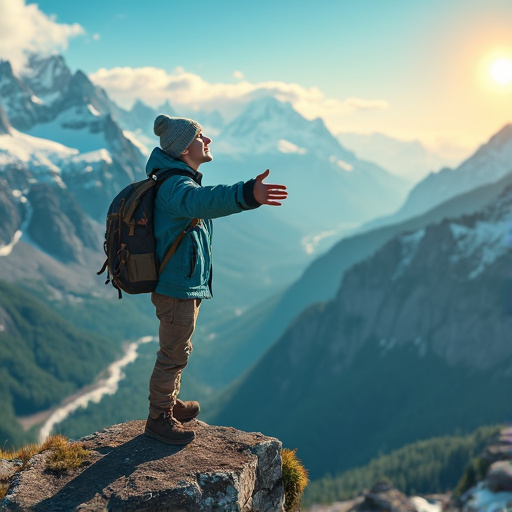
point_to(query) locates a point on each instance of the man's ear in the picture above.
(184, 152)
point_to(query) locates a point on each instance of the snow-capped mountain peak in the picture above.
(266, 122)
(17, 99)
(47, 76)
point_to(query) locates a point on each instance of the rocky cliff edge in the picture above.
(223, 469)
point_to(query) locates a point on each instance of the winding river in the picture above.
(107, 385)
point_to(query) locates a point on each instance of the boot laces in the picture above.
(169, 418)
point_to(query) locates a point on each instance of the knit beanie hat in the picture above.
(176, 133)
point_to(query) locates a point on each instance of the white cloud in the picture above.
(238, 75)
(189, 91)
(25, 29)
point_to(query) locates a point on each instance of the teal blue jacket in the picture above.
(180, 199)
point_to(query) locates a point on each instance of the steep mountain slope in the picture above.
(416, 340)
(488, 164)
(49, 102)
(246, 337)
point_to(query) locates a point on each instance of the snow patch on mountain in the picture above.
(94, 163)
(485, 500)
(93, 111)
(77, 127)
(36, 99)
(140, 141)
(345, 166)
(5, 250)
(286, 146)
(482, 243)
(44, 156)
(101, 155)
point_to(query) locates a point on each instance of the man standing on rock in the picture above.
(183, 205)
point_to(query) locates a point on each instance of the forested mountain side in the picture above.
(431, 466)
(44, 358)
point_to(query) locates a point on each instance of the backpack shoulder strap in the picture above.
(193, 223)
(134, 199)
(162, 174)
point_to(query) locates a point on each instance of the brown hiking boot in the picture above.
(185, 411)
(167, 429)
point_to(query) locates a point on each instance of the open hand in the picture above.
(268, 194)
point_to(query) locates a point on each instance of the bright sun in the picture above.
(501, 71)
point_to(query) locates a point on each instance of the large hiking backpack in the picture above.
(130, 243)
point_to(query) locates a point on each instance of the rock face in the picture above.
(222, 469)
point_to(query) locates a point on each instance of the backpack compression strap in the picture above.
(174, 246)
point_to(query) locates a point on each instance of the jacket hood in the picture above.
(161, 160)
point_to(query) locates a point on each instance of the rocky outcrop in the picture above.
(222, 469)
(494, 492)
(383, 497)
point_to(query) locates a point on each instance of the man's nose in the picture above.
(206, 140)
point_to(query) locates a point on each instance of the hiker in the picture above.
(184, 205)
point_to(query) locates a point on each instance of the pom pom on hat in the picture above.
(176, 133)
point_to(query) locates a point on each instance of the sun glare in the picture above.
(501, 71)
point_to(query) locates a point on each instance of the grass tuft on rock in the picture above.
(3, 490)
(295, 479)
(65, 454)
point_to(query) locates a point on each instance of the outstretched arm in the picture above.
(272, 195)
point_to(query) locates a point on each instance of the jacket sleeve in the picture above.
(185, 198)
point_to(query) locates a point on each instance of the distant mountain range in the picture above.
(63, 130)
(410, 160)
(488, 164)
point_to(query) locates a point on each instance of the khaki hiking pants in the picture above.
(177, 323)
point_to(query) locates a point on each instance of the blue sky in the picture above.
(409, 69)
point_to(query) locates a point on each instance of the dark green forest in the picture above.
(432, 466)
(47, 355)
